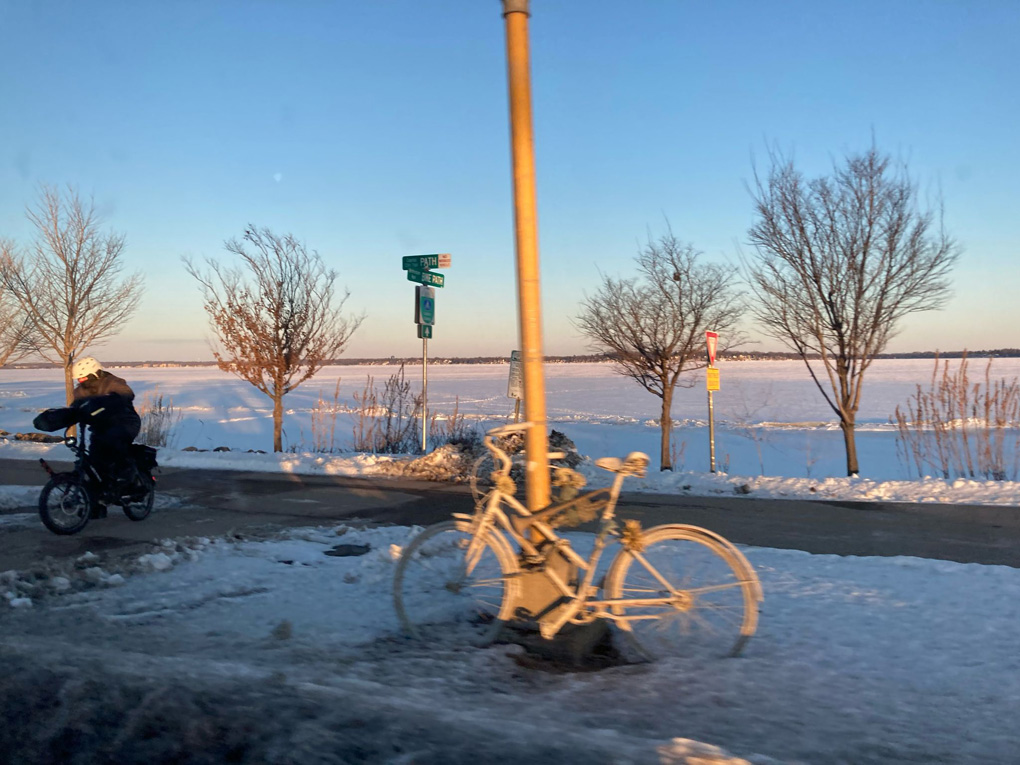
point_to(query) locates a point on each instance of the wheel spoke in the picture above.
(706, 600)
(435, 590)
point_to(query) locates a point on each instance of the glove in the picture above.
(55, 419)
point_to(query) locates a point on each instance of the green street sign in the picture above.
(425, 277)
(425, 262)
(425, 331)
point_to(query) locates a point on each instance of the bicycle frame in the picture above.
(582, 605)
(82, 460)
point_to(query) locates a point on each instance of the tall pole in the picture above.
(711, 384)
(711, 434)
(516, 13)
(424, 390)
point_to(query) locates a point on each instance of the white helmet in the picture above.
(84, 367)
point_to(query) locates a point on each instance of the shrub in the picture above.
(454, 429)
(387, 424)
(960, 430)
(324, 415)
(159, 420)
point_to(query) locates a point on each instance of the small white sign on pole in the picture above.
(515, 387)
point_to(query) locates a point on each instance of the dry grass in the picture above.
(324, 415)
(387, 423)
(960, 429)
(453, 429)
(159, 419)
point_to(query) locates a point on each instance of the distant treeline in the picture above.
(343, 362)
(594, 358)
(786, 355)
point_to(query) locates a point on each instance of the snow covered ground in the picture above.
(298, 653)
(275, 650)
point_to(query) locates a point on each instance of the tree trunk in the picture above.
(68, 384)
(69, 395)
(851, 447)
(666, 428)
(277, 422)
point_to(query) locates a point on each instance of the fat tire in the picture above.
(65, 496)
(717, 611)
(430, 579)
(139, 511)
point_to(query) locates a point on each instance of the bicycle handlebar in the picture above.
(503, 430)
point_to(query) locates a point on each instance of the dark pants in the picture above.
(110, 448)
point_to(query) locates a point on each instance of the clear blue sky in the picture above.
(377, 129)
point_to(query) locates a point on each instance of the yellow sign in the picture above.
(711, 378)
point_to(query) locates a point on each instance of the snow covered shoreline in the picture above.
(772, 423)
(861, 489)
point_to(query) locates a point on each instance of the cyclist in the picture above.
(104, 402)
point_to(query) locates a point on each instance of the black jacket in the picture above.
(106, 400)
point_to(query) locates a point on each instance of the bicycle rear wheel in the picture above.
(438, 591)
(65, 504)
(138, 507)
(707, 593)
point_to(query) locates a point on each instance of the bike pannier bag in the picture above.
(145, 456)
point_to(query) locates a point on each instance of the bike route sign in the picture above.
(425, 306)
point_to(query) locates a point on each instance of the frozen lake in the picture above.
(770, 417)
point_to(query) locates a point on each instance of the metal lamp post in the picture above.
(516, 13)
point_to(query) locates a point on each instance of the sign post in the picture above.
(417, 268)
(712, 385)
(515, 385)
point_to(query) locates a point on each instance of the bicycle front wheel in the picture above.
(65, 504)
(481, 477)
(445, 585)
(692, 593)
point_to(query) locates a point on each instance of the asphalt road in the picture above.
(216, 502)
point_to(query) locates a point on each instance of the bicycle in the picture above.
(69, 500)
(483, 469)
(671, 586)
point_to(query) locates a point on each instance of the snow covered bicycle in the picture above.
(671, 588)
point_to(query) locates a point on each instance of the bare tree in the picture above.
(69, 286)
(17, 339)
(839, 260)
(653, 326)
(276, 316)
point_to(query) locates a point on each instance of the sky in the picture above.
(372, 131)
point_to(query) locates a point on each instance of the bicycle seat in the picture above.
(634, 463)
